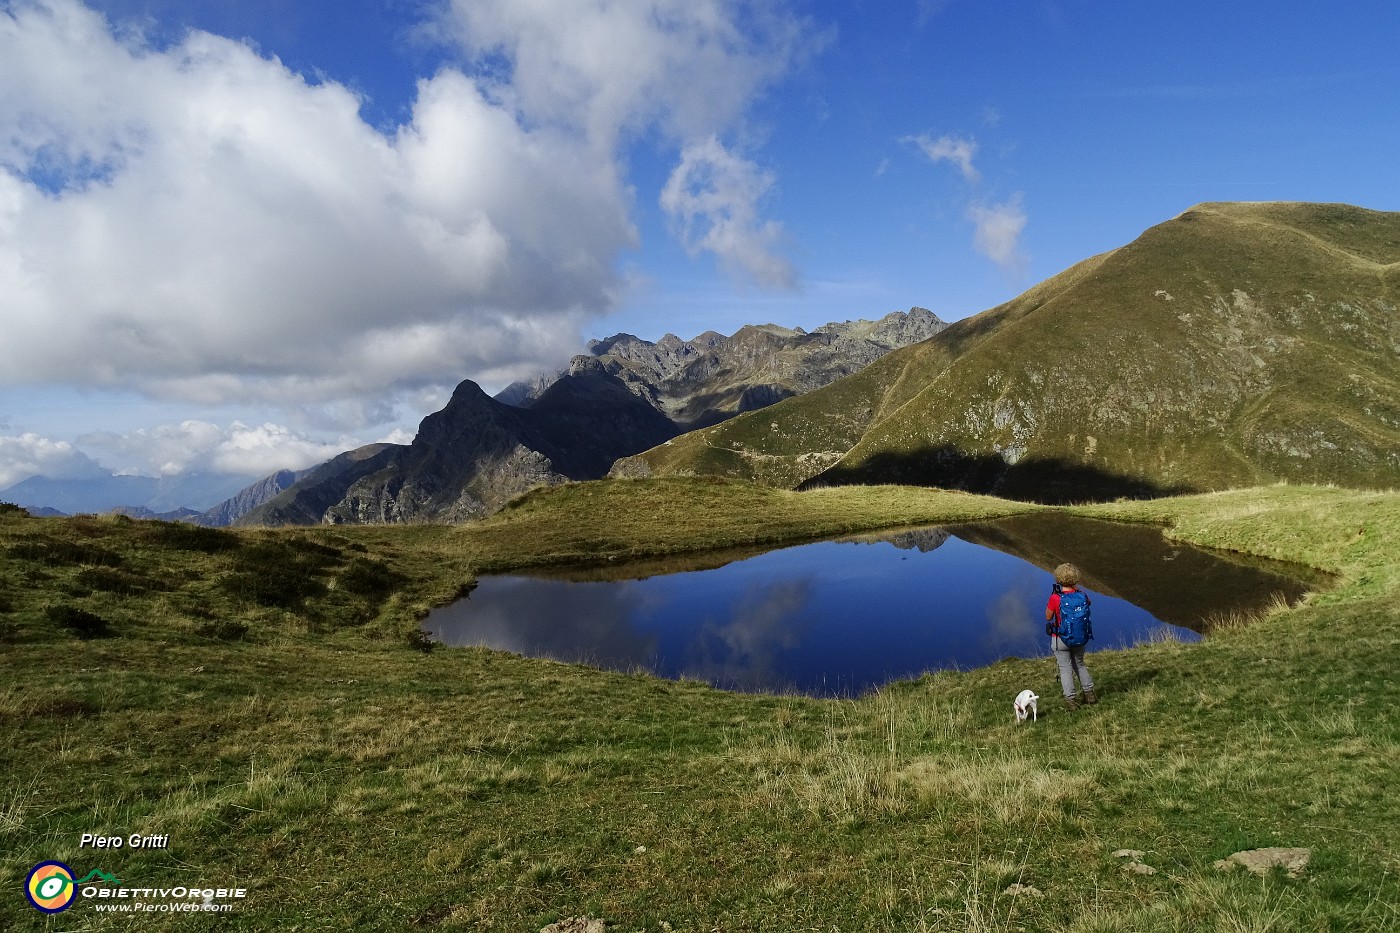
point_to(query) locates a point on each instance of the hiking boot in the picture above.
(1090, 697)
(1071, 704)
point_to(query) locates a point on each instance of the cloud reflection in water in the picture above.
(841, 617)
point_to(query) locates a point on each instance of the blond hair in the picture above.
(1067, 575)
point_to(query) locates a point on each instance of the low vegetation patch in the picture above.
(258, 700)
(80, 622)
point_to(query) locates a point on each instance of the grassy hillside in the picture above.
(788, 442)
(277, 726)
(1236, 344)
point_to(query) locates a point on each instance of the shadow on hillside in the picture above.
(1047, 480)
(710, 408)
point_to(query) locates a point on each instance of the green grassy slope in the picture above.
(1233, 345)
(279, 730)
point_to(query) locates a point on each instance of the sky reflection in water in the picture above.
(830, 618)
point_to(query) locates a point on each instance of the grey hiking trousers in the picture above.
(1070, 661)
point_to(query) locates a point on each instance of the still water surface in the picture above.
(840, 617)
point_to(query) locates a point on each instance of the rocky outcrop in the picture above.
(1292, 861)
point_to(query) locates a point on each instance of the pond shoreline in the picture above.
(716, 616)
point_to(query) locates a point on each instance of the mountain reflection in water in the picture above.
(840, 617)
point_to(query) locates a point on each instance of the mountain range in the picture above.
(700, 382)
(625, 396)
(1235, 344)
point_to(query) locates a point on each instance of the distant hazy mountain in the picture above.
(249, 498)
(174, 515)
(305, 501)
(1235, 344)
(522, 393)
(713, 377)
(104, 493)
(148, 497)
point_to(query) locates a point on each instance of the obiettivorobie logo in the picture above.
(52, 888)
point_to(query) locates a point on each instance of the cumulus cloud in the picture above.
(208, 225)
(191, 446)
(955, 149)
(200, 446)
(609, 68)
(199, 222)
(690, 67)
(712, 198)
(26, 455)
(997, 233)
(398, 436)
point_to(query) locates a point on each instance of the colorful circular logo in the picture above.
(50, 887)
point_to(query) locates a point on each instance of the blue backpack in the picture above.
(1075, 628)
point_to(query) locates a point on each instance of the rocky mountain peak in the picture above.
(599, 347)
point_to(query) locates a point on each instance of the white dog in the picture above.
(1025, 706)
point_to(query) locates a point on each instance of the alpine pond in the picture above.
(840, 617)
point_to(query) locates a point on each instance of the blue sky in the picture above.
(235, 237)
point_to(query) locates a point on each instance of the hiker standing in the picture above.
(1067, 624)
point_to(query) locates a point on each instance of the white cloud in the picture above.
(200, 223)
(398, 436)
(266, 448)
(217, 228)
(712, 199)
(928, 10)
(27, 455)
(689, 67)
(199, 446)
(191, 446)
(997, 233)
(996, 227)
(955, 149)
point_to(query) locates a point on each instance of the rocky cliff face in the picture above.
(713, 377)
(249, 498)
(305, 502)
(476, 453)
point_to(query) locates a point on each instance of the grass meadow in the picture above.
(260, 696)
